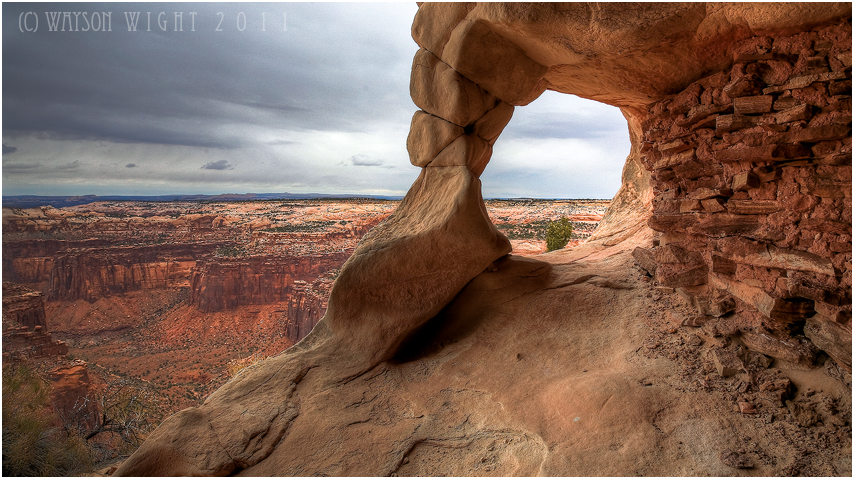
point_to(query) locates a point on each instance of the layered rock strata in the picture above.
(23, 307)
(304, 309)
(752, 182)
(31, 261)
(25, 332)
(224, 283)
(24, 343)
(90, 274)
(370, 359)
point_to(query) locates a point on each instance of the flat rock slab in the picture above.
(534, 369)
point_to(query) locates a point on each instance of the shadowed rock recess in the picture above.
(704, 329)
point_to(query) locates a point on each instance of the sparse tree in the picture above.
(558, 233)
(32, 444)
(124, 411)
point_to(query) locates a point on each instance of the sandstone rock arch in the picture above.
(672, 69)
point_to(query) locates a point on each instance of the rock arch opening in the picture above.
(559, 146)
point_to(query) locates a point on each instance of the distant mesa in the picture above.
(31, 201)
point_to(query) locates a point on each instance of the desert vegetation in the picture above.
(43, 437)
(34, 440)
(558, 233)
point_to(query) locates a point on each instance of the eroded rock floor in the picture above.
(576, 367)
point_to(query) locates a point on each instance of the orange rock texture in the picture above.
(439, 354)
(752, 182)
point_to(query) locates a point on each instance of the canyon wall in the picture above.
(23, 307)
(223, 283)
(304, 309)
(31, 260)
(25, 331)
(89, 274)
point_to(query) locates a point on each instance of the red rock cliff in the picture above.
(25, 332)
(30, 261)
(23, 307)
(223, 283)
(92, 273)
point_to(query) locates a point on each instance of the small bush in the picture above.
(558, 233)
(32, 443)
(230, 251)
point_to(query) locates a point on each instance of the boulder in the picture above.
(467, 150)
(490, 126)
(439, 90)
(435, 21)
(833, 338)
(428, 136)
(496, 64)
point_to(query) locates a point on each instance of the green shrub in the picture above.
(32, 443)
(230, 251)
(558, 233)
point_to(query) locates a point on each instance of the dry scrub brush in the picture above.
(33, 443)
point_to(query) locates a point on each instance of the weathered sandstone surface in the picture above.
(439, 354)
(752, 182)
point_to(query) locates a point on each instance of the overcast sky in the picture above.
(286, 97)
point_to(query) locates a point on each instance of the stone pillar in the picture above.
(466, 80)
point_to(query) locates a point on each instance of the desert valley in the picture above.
(175, 296)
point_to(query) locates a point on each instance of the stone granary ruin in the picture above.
(704, 329)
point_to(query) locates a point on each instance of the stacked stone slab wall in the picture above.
(752, 179)
(466, 79)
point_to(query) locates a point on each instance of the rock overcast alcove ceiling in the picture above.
(523, 366)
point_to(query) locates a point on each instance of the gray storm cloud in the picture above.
(218, 165)
(287, 99)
